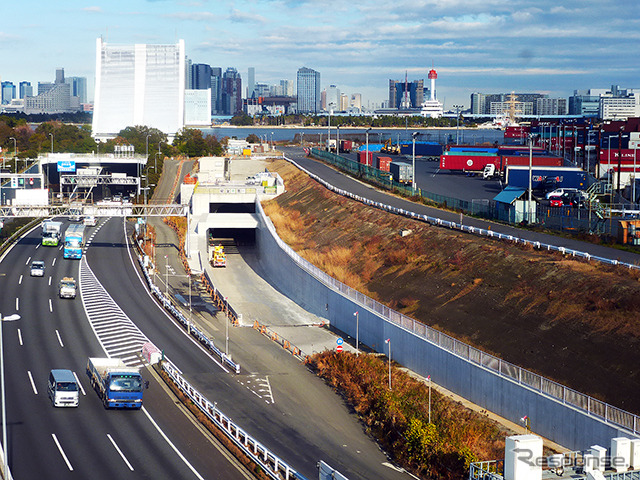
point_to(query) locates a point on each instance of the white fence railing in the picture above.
(542, 385)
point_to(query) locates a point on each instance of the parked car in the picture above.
(558, 192)
(37, 268)
(568, 199)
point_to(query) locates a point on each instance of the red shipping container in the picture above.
(516, 132)
(383, 163)
(365, 159)
(467, 162)
(536, 161)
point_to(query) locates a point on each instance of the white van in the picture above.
(90, 221)
(63, 388)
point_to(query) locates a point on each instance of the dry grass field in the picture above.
(575, 322)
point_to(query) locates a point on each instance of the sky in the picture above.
(487, 46)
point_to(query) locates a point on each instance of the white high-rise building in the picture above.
(138, 85)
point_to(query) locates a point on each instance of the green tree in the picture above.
(253, 138)
(241, 118)
(191, 142)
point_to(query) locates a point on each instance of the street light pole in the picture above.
(226, 322)
(530, 173)
(51, 135)
(338, 140)
(357, 315)
(10, 318)
(367, 136)
(15, 148)
(413, 172)
(457, 107)
(388, 340)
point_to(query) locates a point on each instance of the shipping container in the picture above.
(468, 161)
(423, 149)
(517, 132)
(365, 159)
(346, 145)
(382, 163)
(547, 178)
(536, 160)
(611, 156)
(402, 172)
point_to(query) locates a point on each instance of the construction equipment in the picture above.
(219, 257)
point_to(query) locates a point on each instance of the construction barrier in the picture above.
(283, 342)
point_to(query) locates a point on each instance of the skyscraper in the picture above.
(200, 76)
(251, 82)
(216, 91)
(308, 90)
(139, 85)
(231, 92)
(26, 89)
(78, 87)
(333, 99)
(8, 92)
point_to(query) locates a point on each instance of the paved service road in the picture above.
(345, 182)
(275, 398)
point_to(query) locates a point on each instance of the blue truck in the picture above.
(73, 241)
(118, 385)
(547, 178)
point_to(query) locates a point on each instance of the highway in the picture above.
(88, 441)
(275, 398)
(455, 184)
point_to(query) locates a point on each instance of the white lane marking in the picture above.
(49, 280)
(17, 303)
(50, 306)
(153, 422)
(20, 337)
(79, 384)
(33, 385)
(55, 439)
(120, 452)
(28, 260)
(54, 261)
(60, 247)
(20, 280)
(38, 246)
(59, 339)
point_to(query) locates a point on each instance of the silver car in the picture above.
(37, 268)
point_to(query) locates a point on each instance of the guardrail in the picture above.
(465, 228)
(542, 385)
(271, 464)
(190, 327)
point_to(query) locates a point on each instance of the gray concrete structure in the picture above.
(556, 412)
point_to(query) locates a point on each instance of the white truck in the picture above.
(51, 233)
(67, 288)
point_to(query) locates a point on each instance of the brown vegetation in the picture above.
(573, 321)
(399, 418)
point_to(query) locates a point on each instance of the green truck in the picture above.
(51, 232)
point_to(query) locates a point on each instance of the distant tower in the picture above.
(406, 103)
(432, 76)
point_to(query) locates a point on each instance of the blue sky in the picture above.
(488, 46)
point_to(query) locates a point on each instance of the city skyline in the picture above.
(476, 46)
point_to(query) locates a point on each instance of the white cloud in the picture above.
(192, 16)
(245, 17)
(93, 9)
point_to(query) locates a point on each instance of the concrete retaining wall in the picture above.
(551, 418)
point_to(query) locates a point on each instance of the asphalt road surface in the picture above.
(457, 189)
